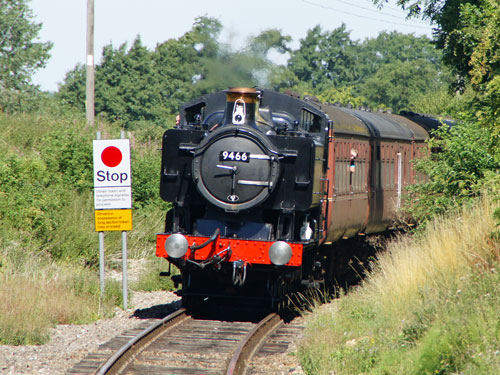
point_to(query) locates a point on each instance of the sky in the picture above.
(64, 23)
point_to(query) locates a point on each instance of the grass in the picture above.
(430, 306)
(150, 279)
(37, 293)
(48, 246)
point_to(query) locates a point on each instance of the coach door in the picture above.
(350, 188)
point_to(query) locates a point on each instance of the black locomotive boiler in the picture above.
(263, 184)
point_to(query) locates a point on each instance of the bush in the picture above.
(456, 170)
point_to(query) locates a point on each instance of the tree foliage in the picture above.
(390, 47)
(388, 71)
(468, 33)
(457, 172)
(20, 54)
(325, 59)
(397, 84)
(136, 85)
(343, 95)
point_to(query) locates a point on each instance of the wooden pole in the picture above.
(89, 104)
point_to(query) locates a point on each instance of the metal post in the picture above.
(124, 259)
(101, 262)
(124, 270)
(90, 64)
(101, 247)
(400, 179)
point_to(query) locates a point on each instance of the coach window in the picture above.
(341, 167)
(352, 168)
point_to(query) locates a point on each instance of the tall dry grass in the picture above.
(429, 306)
(443, 253)
(29, 309)
(37, 293)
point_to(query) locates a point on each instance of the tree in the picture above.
(20, 55)
(325, 58)
(397, 84)
(389, 47)
(342, 95)
(397, 68)
(270, 39)
(128, 86)
(136, 84)
(388, 71)
(467, 32)
(456, 173)
(184, 63)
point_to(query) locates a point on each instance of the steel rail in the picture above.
(123, 355)
(252, 342)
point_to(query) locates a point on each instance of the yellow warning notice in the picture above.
(113, 220)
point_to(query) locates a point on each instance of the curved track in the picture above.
(182, 344)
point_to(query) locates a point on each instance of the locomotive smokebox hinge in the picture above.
(170, 176)
(303, 183)
(287, 209)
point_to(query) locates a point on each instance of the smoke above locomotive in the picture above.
(263, 184)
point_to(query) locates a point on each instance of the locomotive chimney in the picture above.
(242, 105)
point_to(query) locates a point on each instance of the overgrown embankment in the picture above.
(48, 247)
(430, 306)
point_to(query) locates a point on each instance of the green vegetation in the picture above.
(430, 302)
(20, 55)
(468, 160)
(48, 247)
(390, 72)
(430, 306)
(136, 85)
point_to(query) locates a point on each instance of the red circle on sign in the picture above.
(111, 156)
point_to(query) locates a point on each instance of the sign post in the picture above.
(113, 198)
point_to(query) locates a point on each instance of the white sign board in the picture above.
(112, 177)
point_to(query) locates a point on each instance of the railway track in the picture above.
(183, 344)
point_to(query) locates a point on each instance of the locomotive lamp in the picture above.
(239, 112)
(280, 253)
(176, 245)
(242, 106)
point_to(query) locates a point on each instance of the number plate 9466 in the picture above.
(234, 156)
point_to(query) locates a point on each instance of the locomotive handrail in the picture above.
(212, 238)
(196, 147)
(216, 258)
(188, 147)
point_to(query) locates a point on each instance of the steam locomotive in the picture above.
(264, 185)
